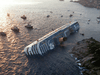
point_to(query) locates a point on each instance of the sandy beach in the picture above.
(13, 60)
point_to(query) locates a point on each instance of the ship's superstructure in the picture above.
(50, 40)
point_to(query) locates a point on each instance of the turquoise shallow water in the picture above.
(58, 61)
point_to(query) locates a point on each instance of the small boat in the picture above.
(51, 40)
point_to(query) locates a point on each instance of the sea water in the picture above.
(12, 57)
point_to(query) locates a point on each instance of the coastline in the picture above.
(90, 3)
(87, 60)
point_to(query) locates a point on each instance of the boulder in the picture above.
(48, 16)
(24, 17)
(82, 34)
(29, 26)
(2, 33)
(70, 15)
(15, 29)
(80, 14)
(8, 14)
(61, 15)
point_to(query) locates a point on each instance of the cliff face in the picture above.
(90, 3)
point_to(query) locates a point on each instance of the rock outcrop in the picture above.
(24, 17)
(2, 33)
(48, 16)
(29, 26)
(90, 3)
(15, 29)
(88, 52)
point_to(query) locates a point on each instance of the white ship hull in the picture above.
(50, 40)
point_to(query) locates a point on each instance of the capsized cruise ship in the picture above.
(52, 39)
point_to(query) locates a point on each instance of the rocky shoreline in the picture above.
(90, 3)
(87, 53)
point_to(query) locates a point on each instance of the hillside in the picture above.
(90, 3)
